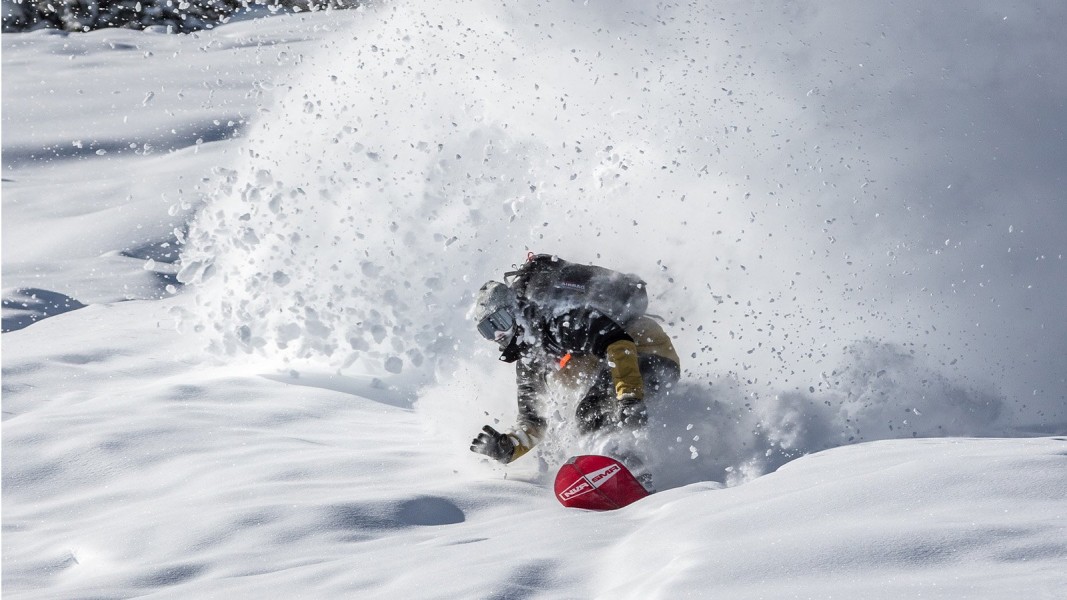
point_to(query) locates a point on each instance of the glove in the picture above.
(495, 445)
(630, 412)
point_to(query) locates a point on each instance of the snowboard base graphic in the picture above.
(595, 482)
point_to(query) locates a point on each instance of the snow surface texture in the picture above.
(850, 218)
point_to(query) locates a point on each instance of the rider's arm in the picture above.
(530, 429)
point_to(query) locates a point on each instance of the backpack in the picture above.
(557, 286)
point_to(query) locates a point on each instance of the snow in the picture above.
(237, 264)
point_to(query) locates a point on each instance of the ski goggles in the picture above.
(500, 320)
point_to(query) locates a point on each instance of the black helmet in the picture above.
(495, 309)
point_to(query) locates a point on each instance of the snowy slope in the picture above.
(849, 219)
(131, 467)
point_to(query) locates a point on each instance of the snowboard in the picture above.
(595, 482)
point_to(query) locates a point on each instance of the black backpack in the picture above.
(557, 286)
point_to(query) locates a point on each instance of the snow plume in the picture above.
(427, 153)
(725, 432)
(824, 281)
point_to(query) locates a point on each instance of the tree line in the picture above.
(177, 16)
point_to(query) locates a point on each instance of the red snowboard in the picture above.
(597, 483)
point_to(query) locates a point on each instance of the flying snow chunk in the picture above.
(394, 364)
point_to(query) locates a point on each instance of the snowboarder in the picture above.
(584, 327)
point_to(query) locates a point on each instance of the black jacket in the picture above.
(544, 341)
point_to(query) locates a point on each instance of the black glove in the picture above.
(495, 445)
(630, 413)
